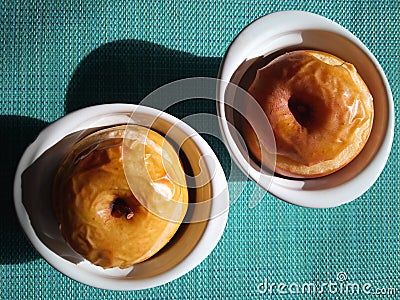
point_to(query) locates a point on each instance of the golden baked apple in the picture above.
(97, 212)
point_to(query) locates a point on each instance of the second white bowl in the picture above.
(289, 30)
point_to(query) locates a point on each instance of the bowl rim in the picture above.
(72, 122)
(306, 198)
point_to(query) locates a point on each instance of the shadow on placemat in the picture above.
(16, 134)
(126, 71)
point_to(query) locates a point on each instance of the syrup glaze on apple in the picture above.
(98, 214)
(319, 109)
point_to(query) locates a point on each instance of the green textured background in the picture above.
(58, 56)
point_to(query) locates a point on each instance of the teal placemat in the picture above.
(58, 56)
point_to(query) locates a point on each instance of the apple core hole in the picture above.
(120, 208)
(301, 111)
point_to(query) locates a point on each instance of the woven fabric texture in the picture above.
(58, 56)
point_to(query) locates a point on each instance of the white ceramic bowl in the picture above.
(193, 242)
(288, 30)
